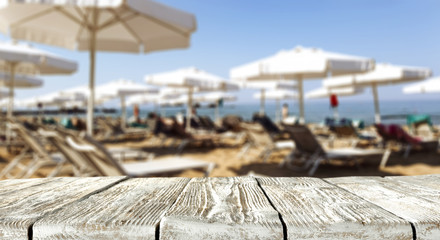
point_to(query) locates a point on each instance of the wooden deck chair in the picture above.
(106, 165)
(20, 168)
(259, 137)
(309, 153)
(82, 167)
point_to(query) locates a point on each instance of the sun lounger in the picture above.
(204, 123)
(413, 120)
(350, 132)
(421, 125)
(395, 133)
(267, 123)
(106, 165)
(20, 168)
(274, 130)
(174, 132)
(309, 153)
(177, 133)
(259, 137)
(119, 153)
(111, 131)
(425, 131)
(82, 167)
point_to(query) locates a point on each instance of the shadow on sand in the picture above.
(368, 167)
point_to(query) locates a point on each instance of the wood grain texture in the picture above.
(129, 210)
(427, 182)
(22, 202)
(222, 208)
(415, 199)
(314, 209)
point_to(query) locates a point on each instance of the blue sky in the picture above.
(234, 32)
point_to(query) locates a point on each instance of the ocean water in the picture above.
(315, 112)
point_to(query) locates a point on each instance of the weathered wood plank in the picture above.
(314, 209)
(428, 182)
(129, 210)
(22, 202)
(222, 208)
(413, 202)
(9, 186)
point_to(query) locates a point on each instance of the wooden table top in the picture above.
(221, 208)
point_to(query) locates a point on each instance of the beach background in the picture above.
(233, 33)
(229, 164)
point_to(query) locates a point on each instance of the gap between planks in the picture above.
(346, 190)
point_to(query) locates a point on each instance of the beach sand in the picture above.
(228, 164)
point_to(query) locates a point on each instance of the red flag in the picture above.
(334, 101)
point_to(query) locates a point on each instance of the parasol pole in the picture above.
(301, 100)
(11, 101)
(262, 100)
(376, 104)
(91, 100)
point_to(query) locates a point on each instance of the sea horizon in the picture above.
(392, 111)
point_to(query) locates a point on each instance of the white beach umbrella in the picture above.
(216, 97)
(277, 95)
(327, 92)
(192, 79)
(24, 59)
(212, 97)
(269, 84)
(171, 92)
(158, 99)
(383, 74)
(79, 94)
(340, 92)
(174, 101)
(263, 86)
(16, 81)
(51, 99)
(301, 64)
(122, 88)
(142, 99)
(20, 81)
(431, 85)
(155, 99)
(74, 104)
(98, 25)
(199, 98)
